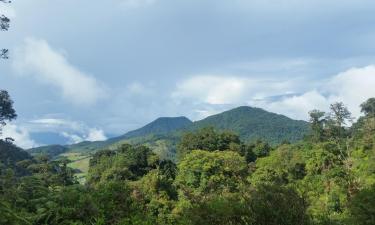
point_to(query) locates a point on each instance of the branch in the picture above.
(4, 54)
(4, 23)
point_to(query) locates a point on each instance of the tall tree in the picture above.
(4, 26)
(317, 124)
(339, 114)
(7, 112)
(337, 119)
(368, 107)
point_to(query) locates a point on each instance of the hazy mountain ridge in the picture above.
(250, 123)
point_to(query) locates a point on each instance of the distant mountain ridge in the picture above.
(162, 125)
(252, 123)
(248, 122)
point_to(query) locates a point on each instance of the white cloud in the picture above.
(93, 134)
(48, 124)
(211, 89)
(48, 66)
(73, 138)
(20, 134)
(74, 131)
(352, 87)
(218, 90)
(296, 106)
(69, 129)
(96, 135)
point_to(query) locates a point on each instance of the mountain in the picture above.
(163, 134)
(11, 155)
(254, 123)
(50, 150)
(162, 125)
(149, 134)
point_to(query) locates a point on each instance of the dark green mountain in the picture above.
(163, 133)
(11, 155)
(255, 123)
(50, 150)
(160, 126)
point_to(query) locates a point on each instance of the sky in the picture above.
(89, 70)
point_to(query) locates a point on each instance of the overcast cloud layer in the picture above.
(113, 66)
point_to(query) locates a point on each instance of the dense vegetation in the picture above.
(326, 179)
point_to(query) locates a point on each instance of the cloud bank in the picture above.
(20, 135)
(352, 87)
(74, 131)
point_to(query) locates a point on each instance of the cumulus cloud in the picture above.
(20, 135)
(295, 106)
(73, 138)
(218, 90)
(36, 58)
(211, 89)
(74, 131)
(352, 87)
(96, 135)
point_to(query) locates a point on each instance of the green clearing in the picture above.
(79, 162)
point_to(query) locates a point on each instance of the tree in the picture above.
(339, 114)
(336, 121)
(207, 139)
(317, 124)
(4, 26)
(261, 149)
(362, 207)
(203, 173)
(368, 107)
(275, 205)
(7, 112)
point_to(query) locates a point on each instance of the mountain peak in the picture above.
(161, 125)
(253, 123)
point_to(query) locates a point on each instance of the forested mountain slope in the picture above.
(163, 133)
(11, 155)
(255, 123)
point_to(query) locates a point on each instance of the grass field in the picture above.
(80, 162)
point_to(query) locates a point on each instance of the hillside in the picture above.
(164, 133)
(255, 123)
(50, 150)
(162, 125)
(10, 155)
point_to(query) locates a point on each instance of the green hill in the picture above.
(50, 150)
(162, 125)
(255, 123)
(164, 133)
(11, 155)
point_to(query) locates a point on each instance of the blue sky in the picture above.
(87, 71)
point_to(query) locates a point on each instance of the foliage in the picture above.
(125, 163)
(4, 26)
(7, 112)
(207, 139)
(326, 179)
